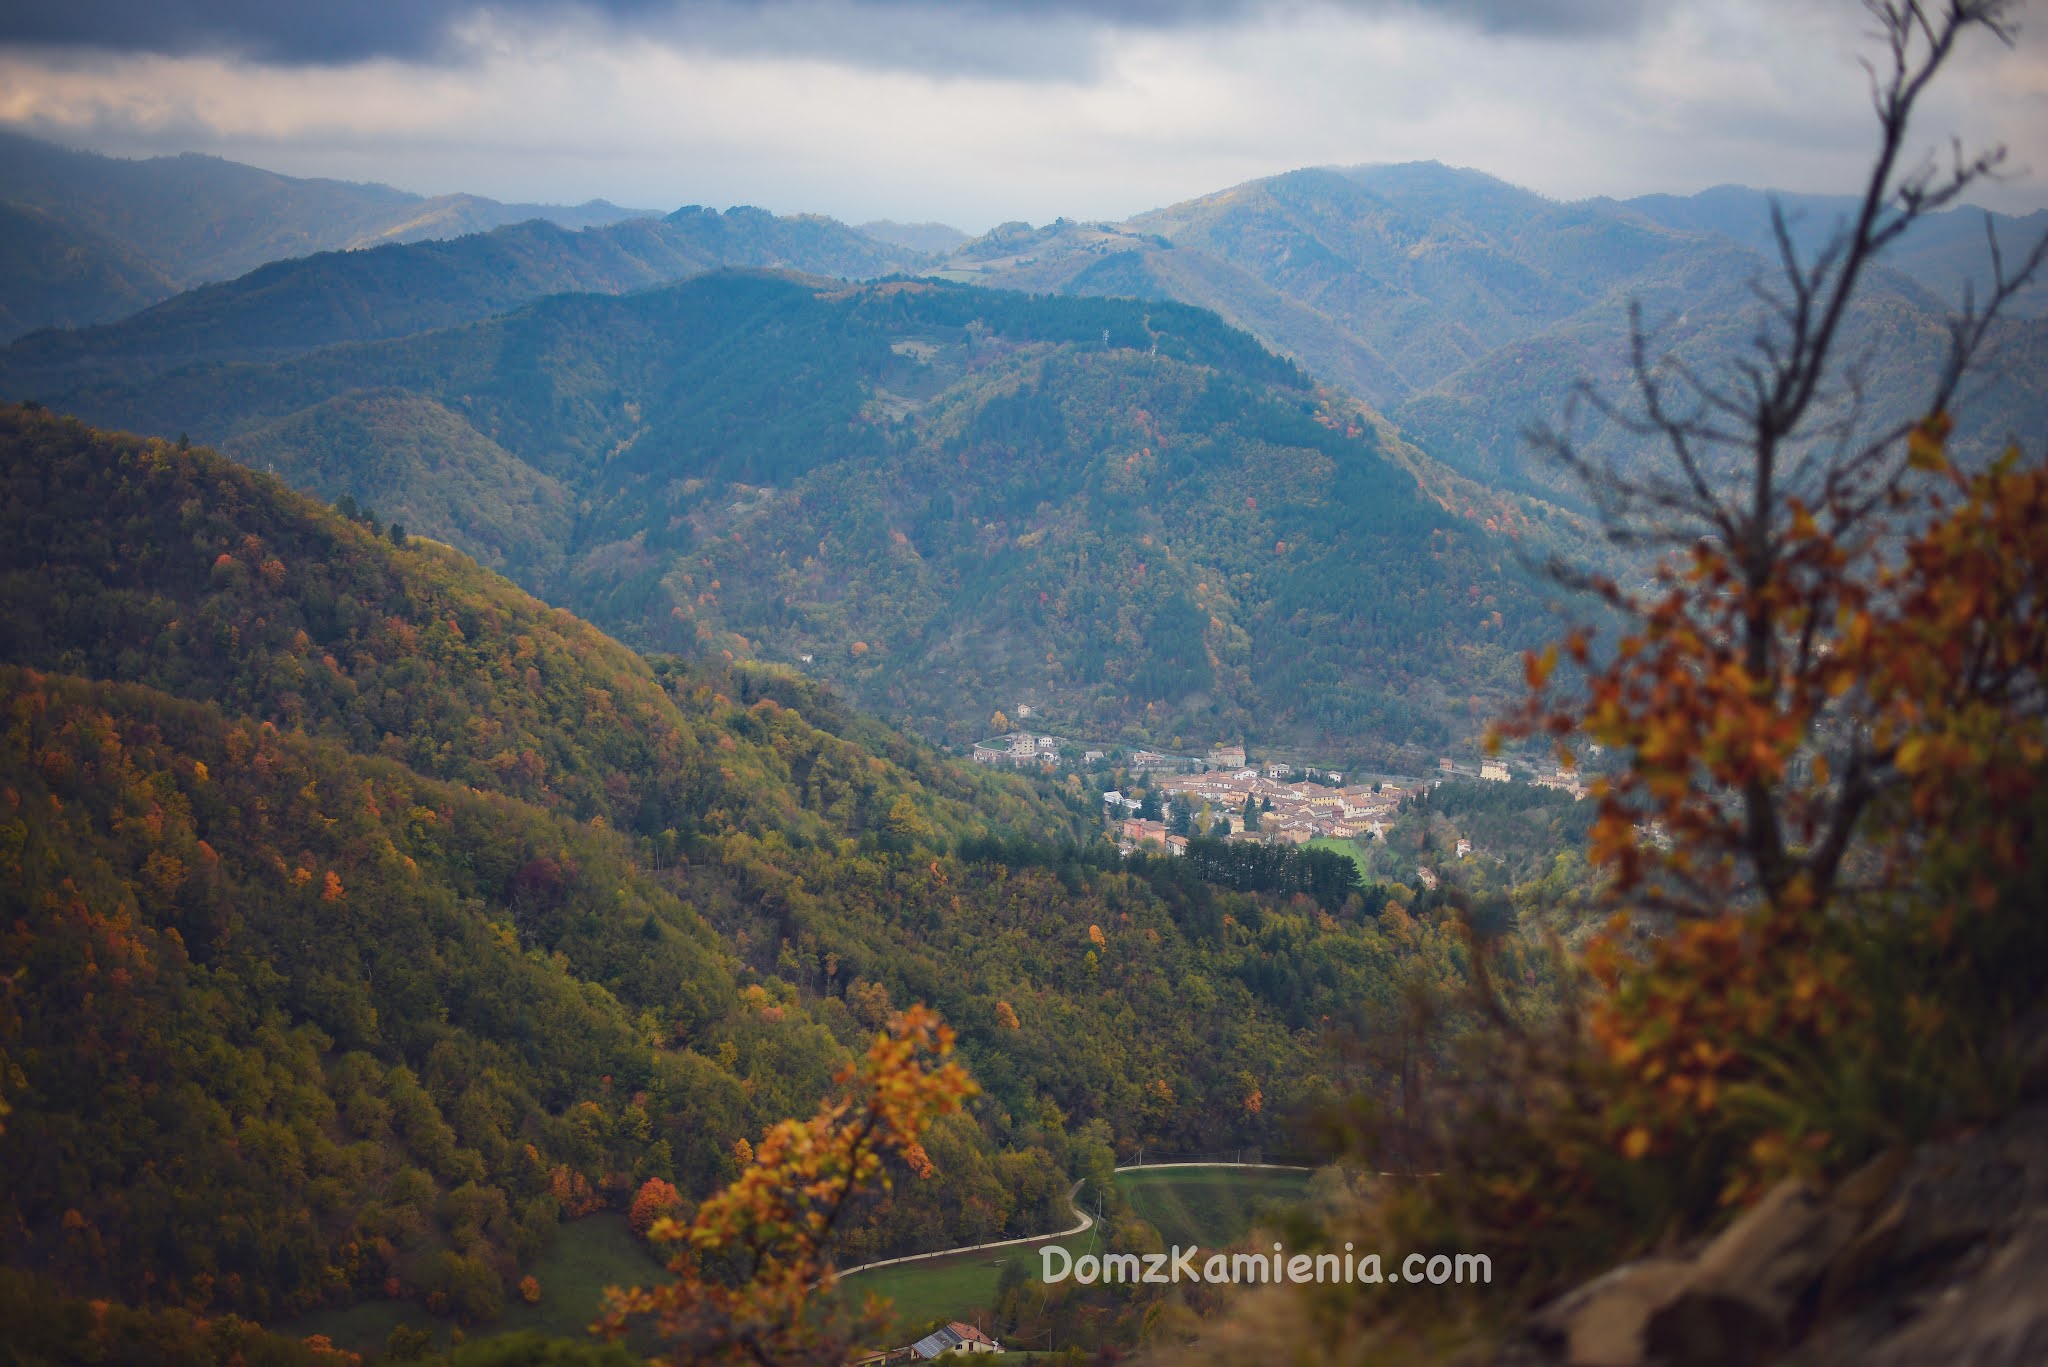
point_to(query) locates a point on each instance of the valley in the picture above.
(585, 786)
(506, 922)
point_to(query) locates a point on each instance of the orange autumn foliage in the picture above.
(656, 1200)
(752, 1262)
(1897, 723)
(572, 1193)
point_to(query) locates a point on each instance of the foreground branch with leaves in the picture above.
(754, 1266)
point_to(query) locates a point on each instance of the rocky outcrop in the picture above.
(1934, 1255)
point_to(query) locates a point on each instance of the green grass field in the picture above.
(586, 1256)
(1350, 849)
(1212, 1207)
(950, 1288)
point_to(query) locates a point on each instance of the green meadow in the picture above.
(1211, 1207)
(586, 1256)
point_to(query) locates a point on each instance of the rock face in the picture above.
(1939, 1255)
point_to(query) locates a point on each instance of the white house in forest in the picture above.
(953, 1338)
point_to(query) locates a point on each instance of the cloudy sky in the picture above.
(974, 112)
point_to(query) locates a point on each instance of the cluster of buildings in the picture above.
(1133, 834)
(1022, 750)
(1290, 813)
(1296, 804)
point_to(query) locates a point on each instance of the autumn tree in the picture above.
(656, 1200)
(1774, 685)
(1829, 690)
(754, 1270)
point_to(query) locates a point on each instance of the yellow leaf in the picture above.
(1924, 444)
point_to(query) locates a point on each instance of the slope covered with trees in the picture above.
(1129, 514)
(55, 275)
(369, 917)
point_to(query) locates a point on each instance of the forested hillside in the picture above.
(1127, 514)
(377, 917)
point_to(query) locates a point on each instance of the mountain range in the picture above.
(620, 455)
(206, 218)
(1463, 308)
(396, 290)
(1467, 309)
(165, 224)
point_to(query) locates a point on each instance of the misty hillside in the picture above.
(204, 218)
(1467, 308)
(60, 276)
(935, 238)
(399, 289)
(189, 219)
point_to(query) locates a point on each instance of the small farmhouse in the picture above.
(953, 1338)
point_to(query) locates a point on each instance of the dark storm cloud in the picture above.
(1015, 37)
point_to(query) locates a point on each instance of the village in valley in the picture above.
(1223, 793)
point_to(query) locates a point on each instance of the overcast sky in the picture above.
(973, 112)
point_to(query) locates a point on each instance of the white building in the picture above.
(954, 1338)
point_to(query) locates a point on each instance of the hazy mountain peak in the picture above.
(935, 238)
